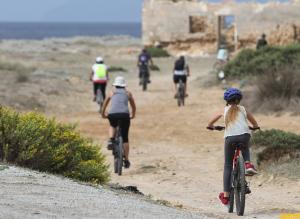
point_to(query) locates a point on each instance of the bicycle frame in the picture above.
(236, 155)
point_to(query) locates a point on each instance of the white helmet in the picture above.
(119, 82)
(99, 59)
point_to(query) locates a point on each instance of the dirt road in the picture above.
(175, 158)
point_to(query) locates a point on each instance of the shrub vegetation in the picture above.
(33, 141)
(257, 62)
(116, 69)
(154, 68)
(276, 146)
(157, 52)
(15, 67)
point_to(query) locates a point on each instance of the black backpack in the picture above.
(179, 65)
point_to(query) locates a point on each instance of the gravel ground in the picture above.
(29, 194)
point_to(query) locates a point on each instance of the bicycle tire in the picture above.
(120, 154)
(145, 83)
(182, 94)
(240, 187)
(231, 201)
(116, 164)
(99, 99)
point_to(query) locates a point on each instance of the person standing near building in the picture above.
(261, 42)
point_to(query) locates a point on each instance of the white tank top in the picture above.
(240, 125)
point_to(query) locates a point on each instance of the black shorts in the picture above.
(124, 120)
(177, 78)
(102, 87)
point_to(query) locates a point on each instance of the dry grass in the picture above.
(276, 91)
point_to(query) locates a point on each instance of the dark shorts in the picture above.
(177, 78)
(124, 120)
(102, 87)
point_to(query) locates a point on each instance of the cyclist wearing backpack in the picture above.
(180, 72)
(143, 64)
(119, 114)
(236, 131)
(99, 77)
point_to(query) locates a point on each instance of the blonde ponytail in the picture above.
(231, 114)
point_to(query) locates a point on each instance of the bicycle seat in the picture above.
(238, 145)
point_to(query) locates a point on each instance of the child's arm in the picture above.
(252, 120)
(214, 120)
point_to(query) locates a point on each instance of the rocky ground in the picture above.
(173, 157)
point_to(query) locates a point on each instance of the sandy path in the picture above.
(174, 158)
(29, 194)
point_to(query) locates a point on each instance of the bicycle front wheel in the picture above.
(240, 187)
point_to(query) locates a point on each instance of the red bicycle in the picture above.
(239, 185)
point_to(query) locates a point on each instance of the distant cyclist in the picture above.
(99, 77)
(119, 114)
(261, 42)
(143, 63)
(180, 72)
(236, 131)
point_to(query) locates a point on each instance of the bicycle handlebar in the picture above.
(221, 128)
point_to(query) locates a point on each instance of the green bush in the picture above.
(157, 52)
(276, 145)
(116, 69)
(33, 141)
(256, 62)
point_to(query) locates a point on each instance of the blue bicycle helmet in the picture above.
(232, 93)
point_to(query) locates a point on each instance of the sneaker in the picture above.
(224, 200)
(248, 191)
(250, 169)
(110, 144)
(126, 164)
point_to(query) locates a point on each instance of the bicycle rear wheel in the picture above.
(99, 99)
(145, 83)
(240, 187)
(182, 93)
(231, 200)
(120, 155)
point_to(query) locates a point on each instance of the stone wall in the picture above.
(192, 26)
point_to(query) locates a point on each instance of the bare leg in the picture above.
(185, 89)
(126, 150)
(226, 194)
(175, 88)
(112, 132)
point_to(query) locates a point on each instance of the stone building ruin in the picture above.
(198, 28)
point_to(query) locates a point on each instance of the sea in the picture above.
(38, 31)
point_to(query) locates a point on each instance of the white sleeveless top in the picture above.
(239, 126)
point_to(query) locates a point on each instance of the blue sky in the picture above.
(71, 10)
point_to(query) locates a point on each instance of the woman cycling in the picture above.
(119, 114)
(236, 130)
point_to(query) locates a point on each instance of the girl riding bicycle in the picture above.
(236, 130)
(119, 114)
